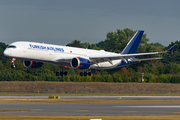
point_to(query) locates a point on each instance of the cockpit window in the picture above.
(12, 46)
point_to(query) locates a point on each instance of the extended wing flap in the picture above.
(145, 59)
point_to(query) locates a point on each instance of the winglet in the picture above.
(171, 48)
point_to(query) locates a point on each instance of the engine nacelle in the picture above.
(32, 64)
(80, 63)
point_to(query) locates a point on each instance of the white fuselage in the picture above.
(56, 54)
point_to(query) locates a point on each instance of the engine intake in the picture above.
(80, 63)
(32, 64)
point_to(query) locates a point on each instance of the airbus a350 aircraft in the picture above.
(34, 54)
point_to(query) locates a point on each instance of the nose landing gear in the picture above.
(12, 63)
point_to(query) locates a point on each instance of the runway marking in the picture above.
(151, 106)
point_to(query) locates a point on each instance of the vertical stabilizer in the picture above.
(133, 44)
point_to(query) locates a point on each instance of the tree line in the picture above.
(165, 70)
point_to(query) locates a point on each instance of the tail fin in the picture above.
(133, 44)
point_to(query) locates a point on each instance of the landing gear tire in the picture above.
(13, 66)
(65, 73)
(57, 73)
(61, 73)
(89, 73)
(85, 73)
(81, 74)
(12, 63)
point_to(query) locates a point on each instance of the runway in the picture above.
(94, 109)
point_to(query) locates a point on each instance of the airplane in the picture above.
(34, 54)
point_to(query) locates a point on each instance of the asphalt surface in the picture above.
(98, 97)
(94, 109)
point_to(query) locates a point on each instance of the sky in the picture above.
(62, 21)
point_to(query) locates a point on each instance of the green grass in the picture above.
(88, 94)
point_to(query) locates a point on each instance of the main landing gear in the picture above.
(61, 73)
(85, 73)
(12, 63)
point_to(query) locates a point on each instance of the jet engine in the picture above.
(80, 63)
(32, 64)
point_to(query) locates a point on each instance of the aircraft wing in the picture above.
(97, 59)
(109, 58)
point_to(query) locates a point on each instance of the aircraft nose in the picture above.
(6, 52)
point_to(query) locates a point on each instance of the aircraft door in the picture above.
(24, 48)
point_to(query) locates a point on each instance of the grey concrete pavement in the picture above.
(94, 109)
